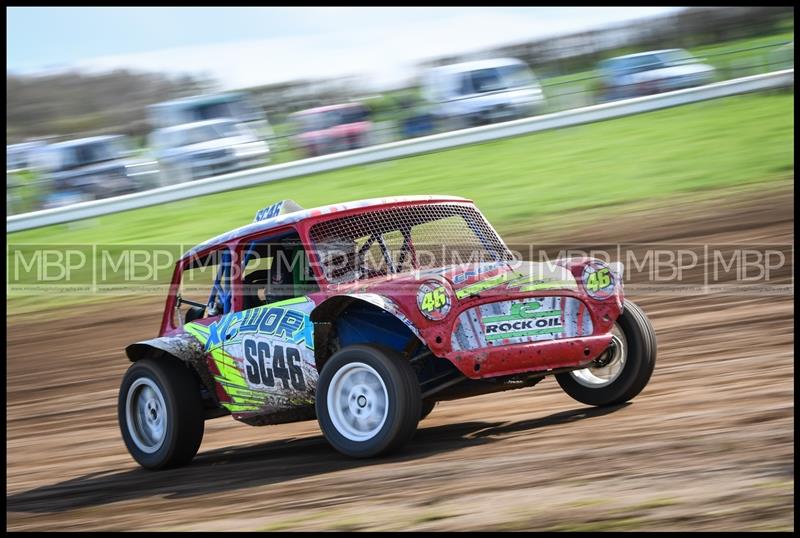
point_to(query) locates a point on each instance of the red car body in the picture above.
(499, 359)
(385, 307)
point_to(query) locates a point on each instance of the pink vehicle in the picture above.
(333, 128)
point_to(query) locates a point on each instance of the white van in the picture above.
(482, 91)
(206, 148)
(234, 105)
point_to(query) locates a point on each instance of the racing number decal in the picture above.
(598, 280)
(433, 300)
(264, 363)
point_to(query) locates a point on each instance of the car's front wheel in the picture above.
(160, 413)
(368, 400)
(620, 373)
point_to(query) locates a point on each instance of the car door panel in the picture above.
(267, 358)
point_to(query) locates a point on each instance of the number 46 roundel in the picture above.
(598, 281)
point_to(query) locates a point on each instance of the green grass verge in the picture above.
(516, 182)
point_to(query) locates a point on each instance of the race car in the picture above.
(364, 315)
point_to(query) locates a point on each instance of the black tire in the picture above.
(427, 408)
(184, 413)
(403, 400)
(640, 361)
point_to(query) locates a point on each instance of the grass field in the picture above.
(704, 145)
(518, 183)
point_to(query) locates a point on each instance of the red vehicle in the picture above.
(364, 315)
(329, 129)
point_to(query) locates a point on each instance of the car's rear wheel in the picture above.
(623, 371)
(368, 401)
(160, 413)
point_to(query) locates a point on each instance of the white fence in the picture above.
(394, 150)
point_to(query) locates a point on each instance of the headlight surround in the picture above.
(434, 299)
(598, 280)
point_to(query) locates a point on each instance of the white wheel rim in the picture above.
(358, 401)
(146, 414)
(596, 377)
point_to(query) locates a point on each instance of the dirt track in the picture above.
(707, 446)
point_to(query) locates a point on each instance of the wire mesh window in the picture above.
(394, 240)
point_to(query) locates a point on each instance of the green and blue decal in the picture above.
(263, 357)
